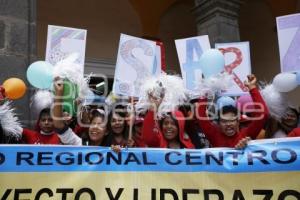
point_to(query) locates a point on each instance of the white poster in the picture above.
(238, 64)
(288, 28)
(135, 62)
(157, 62)
(189, 51)
(63, 41)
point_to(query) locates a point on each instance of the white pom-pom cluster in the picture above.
(214, 84)
(69, 69)
(170, 86)
(9, 121)
(40, 100)
(276, 101)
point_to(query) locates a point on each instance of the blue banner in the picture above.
(267, 155)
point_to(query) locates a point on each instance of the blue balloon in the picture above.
(225, 101)
(40, 74)
(211, 62)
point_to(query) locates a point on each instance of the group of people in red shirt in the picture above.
(176, 129)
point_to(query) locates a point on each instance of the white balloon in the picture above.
(285, 82)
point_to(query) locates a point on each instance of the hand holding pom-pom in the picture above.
(161, 94)
(156, 95)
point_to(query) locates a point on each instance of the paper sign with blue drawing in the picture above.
(157, 65)
(237, 64)
(63, 41)
(189, 51)
(289, 42)
(135, 62)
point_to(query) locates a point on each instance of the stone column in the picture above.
(17, 46)
(218, 19)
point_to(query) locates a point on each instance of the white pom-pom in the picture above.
(9, 121)
(40, 100)
(69, 69)
(276, 101)
(214, 84)
(168, 87)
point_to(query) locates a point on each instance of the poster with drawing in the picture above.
(135, 62)
(63, 41)
(238, 64)
(189, 51)
(288, 29)
(157, 65)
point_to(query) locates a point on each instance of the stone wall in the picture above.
(17, 46)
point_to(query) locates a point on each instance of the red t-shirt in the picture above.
(218, 139)
(34, 137)
(294, 133)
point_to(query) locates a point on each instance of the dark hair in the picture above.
(106, 139)
(172, 117)
(227, 109)
(185, 109)
(176, 123)
(98, 113)
(45, 111)
(122, 113)
(295, 111)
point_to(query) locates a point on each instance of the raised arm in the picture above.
(66, 135)
(261, 113)
(57, 107)
(150, 133)
(208, 127)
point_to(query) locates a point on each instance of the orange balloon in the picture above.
(15, 88)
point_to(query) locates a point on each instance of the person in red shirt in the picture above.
(294, 133)
(227, 132)
(44, 132)
(118, 127)
(280, 129)
(134, 122)
(168, 134)
(137, 132)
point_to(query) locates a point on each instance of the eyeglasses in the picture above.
(228, 121)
